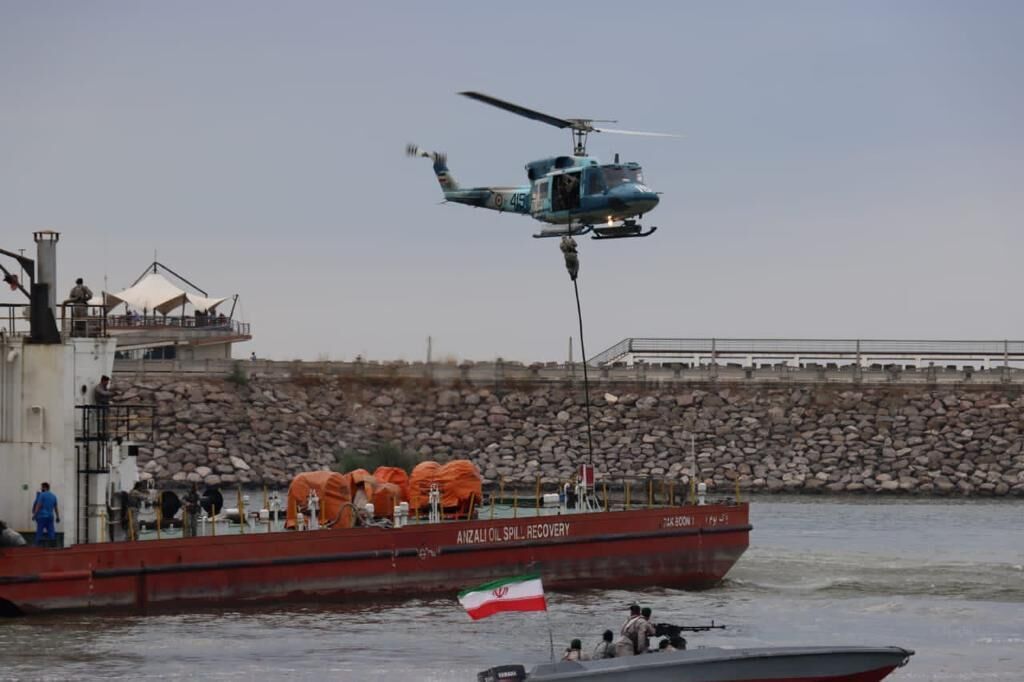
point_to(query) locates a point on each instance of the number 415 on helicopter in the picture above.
(577, 193)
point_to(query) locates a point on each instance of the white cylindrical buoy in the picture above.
(702, 491)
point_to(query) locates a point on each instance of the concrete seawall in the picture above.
(870, 437)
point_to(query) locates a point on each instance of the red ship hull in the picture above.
(688, 547)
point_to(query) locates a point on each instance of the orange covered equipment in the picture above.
(386, 497)
(459, 480)
(394, 475)
(461, 485)
(423, 474)
(334, 491)
(367, 488)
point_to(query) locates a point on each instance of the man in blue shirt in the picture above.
(45, 512)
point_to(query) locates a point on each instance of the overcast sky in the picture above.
(847, 169)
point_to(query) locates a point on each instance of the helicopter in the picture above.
(577, 191)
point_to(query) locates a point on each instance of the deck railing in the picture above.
(863, 351)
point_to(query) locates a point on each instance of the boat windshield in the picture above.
(617, 175)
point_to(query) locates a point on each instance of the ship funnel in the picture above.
(46, 264)
(44, 288)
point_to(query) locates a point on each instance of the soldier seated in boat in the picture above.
(574, 652)
(606, 647)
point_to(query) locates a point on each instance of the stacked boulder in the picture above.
(800, 438)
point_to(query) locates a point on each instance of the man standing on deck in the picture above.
(101, 395)
(79, 300)
(45, 512)
(192, 506)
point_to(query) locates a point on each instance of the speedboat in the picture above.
(712, 664)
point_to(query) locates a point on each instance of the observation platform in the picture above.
(190, 337)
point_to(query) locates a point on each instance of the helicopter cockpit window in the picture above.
(595, 181)
(617, 175)
(565, 191)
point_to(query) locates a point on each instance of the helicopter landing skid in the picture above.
(625, 231)
(574, 231)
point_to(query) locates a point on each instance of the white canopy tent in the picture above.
(155, 293)
(104, 298)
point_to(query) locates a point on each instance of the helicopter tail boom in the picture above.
(503, 199)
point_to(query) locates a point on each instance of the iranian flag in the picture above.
(522, 593)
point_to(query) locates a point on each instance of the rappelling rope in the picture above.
(572, 265)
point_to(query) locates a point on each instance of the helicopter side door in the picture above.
(565, 191)
(539, 197)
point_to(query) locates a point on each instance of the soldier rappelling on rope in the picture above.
(572, 259)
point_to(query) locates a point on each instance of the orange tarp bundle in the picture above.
(366, 488)
(356, 480)
(460, 482)
(423, 474)
(334, 491)
(357, 476)
(394, 475)
(385, 497)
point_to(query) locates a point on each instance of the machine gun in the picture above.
(674, 632)
(668, 630)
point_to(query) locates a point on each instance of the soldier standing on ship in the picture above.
(191, 527)
(79, 300)
(101, 395)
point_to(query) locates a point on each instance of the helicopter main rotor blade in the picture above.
(516, 109)
(634, 132)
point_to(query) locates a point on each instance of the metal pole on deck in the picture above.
(241, 512)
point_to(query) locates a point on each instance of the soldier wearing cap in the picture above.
(574, 652)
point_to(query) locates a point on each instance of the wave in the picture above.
(869, 575)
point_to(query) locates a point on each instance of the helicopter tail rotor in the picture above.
(440, 160)
(414, 151)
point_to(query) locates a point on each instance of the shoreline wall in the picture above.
(956, 440)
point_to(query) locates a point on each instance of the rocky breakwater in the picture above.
(809, 438)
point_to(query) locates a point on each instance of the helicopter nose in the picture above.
(644, 200)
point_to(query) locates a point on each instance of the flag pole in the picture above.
(551, 635)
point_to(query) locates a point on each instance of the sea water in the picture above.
(945, 578)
